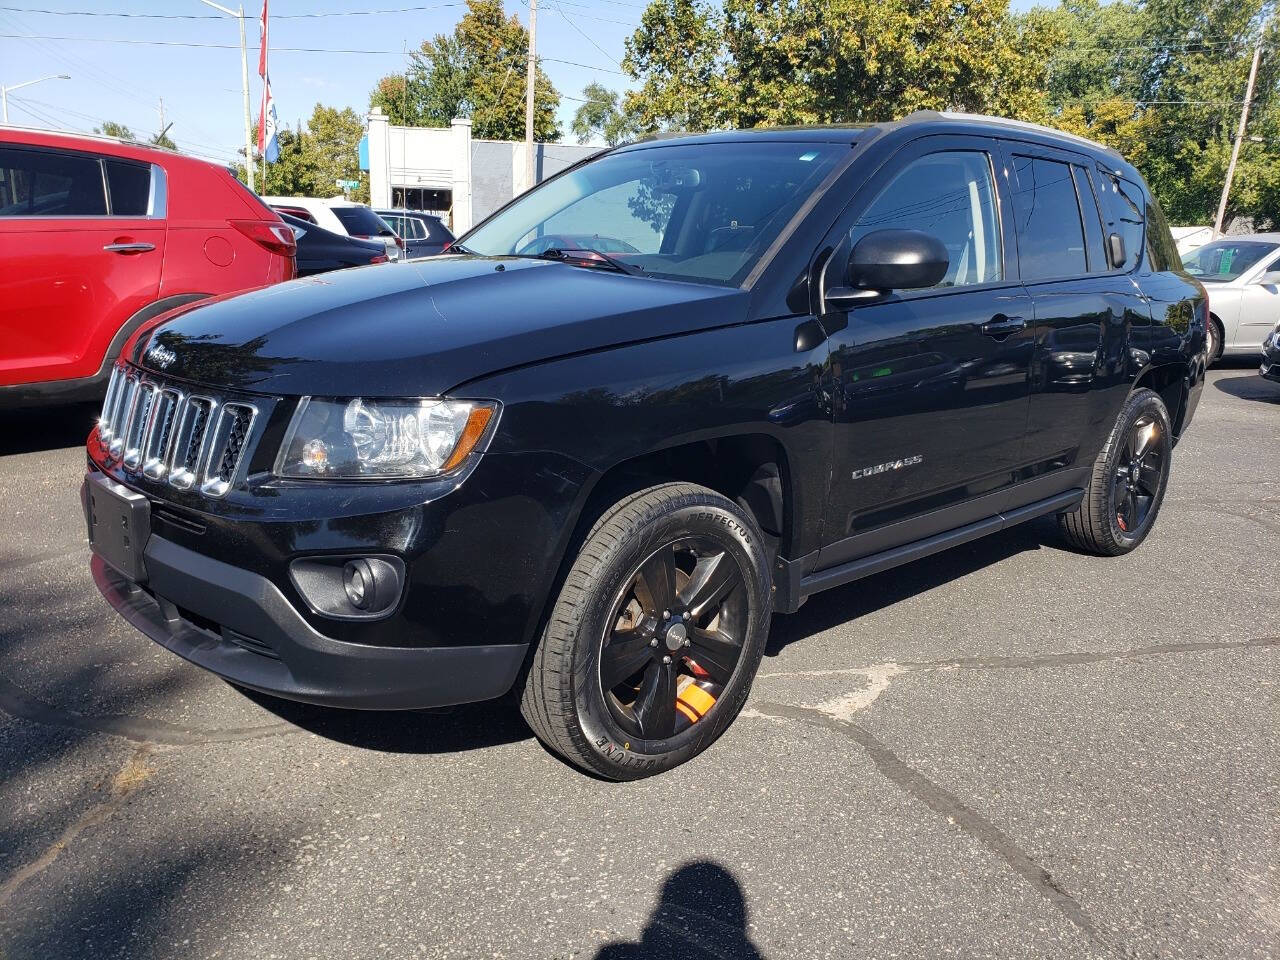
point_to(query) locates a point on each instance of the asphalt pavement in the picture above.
(1007, 750)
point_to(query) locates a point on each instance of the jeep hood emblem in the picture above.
(160, 356)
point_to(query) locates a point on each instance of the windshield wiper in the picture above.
(589, 258)
(456, 247)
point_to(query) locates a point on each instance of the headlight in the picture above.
(383, 439)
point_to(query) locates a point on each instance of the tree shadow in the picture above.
(701, 912)
(30, 430)
(1249, 388)
(469, 726)
(831, 608)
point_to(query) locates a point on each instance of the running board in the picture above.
(896, 556)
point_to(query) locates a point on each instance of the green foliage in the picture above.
(477, 72)
(313, 158)
(1162, 82)
(163, 140)
(600, 116)
(110, 128)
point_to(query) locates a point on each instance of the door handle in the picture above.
(1001, 326)
(129, 247)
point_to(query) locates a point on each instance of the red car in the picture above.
(98, 236)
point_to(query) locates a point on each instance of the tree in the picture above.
(110, 128)
(759, 62)
(162, 139)
(477, 72)
(314, 158)
(679, 56)
(600, 116)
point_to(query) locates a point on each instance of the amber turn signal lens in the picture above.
(471, 434)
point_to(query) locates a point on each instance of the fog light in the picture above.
(358, 579)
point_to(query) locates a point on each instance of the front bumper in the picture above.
(239, 625)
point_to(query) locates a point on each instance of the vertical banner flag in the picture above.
(268, 142)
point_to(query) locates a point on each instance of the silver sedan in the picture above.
(1242, 275)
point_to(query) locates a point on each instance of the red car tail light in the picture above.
(272, 236)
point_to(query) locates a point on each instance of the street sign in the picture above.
(347, 184)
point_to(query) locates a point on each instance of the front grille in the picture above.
(192, 439)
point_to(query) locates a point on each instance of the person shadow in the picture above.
(701, 913)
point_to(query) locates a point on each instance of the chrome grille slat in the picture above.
(227, 447)
(189, 441)
(105, 420)
(155, 454)
(139, 423)
(128, 399)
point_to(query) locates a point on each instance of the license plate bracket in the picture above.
(119, 521)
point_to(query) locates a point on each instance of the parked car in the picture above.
(343, 217)
(1242, 275)
(1271, 356)
(320, 250)
(99, 236)
(594, 476)
(424, 235)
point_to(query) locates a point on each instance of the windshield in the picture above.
(1225, 260)
(703, 212)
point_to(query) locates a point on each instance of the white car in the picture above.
(1242, 276)
(342, 217)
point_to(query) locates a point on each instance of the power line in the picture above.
(215, 16)
(232, 46)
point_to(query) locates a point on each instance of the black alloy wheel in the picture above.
(1139, 475)
(1128, 482)
(651, 646)
(680, 622)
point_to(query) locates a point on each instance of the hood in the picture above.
(418, 328)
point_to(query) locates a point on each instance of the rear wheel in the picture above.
(1213, 346)
(655, 638)
(1128, 482)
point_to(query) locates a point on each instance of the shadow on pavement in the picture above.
(701, 913)
(52, 428)
(1255, 387)
(825, 610)
(471, 726)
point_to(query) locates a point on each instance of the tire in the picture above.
(1128, 483)
(654, 548)
(1213, 348)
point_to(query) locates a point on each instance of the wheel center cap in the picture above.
(675, 637)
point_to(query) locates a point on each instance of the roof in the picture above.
(849, 133)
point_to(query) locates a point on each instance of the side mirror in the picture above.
(1270, 278)
(887, 260)
(1115, 250)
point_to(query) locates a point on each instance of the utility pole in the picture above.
(244, 85)
(530, 77)
(1235, 147)
(162, 126)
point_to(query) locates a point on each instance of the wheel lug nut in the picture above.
(666, 659)
(653, 642)
(687, 641)
(666, 614)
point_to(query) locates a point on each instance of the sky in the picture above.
(580, 41)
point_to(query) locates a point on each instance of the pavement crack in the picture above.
(1092, 656)
(914, 783)
(18, 704)
(127, 780)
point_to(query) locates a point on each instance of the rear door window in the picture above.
(50, 183)
(1047, 215)
(130, 187)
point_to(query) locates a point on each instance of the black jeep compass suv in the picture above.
(670, 391)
